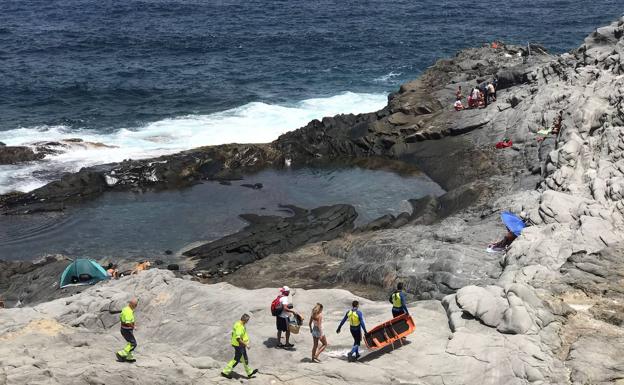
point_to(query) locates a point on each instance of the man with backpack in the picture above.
(281, 309)
(399, 304)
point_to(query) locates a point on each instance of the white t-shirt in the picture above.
(284, 302)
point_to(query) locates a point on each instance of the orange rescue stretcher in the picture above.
(390, 332)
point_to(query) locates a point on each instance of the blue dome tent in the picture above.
(82, 272)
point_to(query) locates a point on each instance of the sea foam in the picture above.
(251, 123)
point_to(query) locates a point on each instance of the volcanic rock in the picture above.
(272, 234)
(18, 154)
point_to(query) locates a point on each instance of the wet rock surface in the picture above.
(39, 150)
(224, 162)
(267, 235)
(18, 154)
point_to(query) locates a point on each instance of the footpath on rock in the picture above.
(547, 311)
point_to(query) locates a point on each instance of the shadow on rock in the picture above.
(267, 235)
(387, 349)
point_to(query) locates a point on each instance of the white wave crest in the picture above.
(252, 123)
(387, 78)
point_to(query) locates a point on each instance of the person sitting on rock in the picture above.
(356, 323)
(481, 99)
(111, 271)
(240, 343)
(557, 123)
(458, 93)
(458, 105)
(503, 243)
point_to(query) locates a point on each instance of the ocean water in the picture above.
(156, 76)
(131, 225)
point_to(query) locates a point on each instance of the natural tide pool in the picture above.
(132, 225)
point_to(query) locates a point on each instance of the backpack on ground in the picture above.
(276, 306)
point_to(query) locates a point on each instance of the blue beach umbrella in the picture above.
(513, 222)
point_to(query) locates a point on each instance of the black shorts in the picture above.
(397, 312)
(281, 323)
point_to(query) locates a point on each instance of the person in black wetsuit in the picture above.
(356, 323)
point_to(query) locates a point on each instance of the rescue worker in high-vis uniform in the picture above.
(356, 323)
(240, 342)
(399, 304)
(127, 331)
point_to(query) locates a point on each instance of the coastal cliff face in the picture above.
(548, 311)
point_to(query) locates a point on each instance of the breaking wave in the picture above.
(251, 123)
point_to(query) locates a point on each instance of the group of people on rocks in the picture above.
(478, 97)
(288, 314)
(239, 338)
(113, 271)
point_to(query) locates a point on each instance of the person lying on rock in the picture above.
(127, 331)
(240, 343)
(141, 267)
(356, 323)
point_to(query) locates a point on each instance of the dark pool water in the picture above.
(132, 225)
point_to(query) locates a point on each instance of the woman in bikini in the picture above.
(316, 328)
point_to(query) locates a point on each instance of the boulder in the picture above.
(18, 154)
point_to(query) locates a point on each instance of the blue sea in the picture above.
(151, 77)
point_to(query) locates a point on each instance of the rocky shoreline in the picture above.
(416, 115)
(548, 311)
